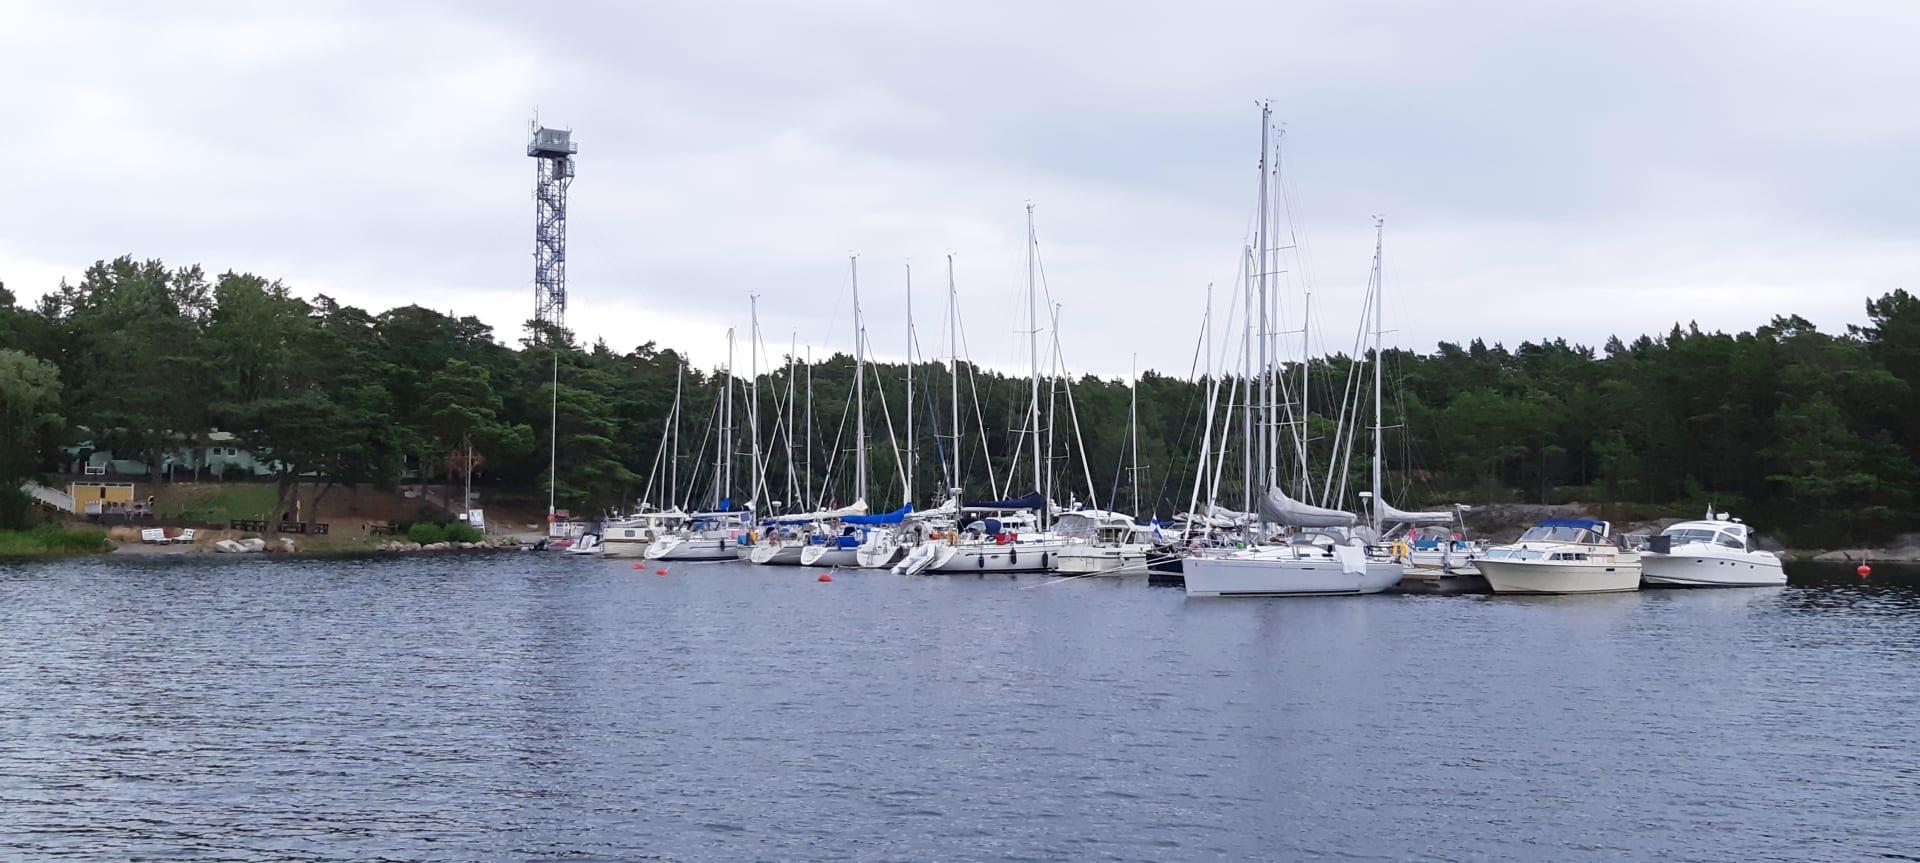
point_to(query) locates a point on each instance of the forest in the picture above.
(1812, 435)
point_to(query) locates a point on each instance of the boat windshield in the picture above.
(1557, 533)
(1684, 535)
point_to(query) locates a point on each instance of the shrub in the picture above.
(426, 534)
(463, 532)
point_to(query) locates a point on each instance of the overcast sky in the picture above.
(1545, 169)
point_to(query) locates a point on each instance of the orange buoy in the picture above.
(1864, 570)
(825, 577)
(659, 572)
(637, 566)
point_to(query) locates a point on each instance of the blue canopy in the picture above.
(1032, 501)
(895, 517)
(1592, 524)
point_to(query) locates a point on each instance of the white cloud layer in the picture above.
(1546, 170)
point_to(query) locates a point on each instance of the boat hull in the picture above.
(829, 555)
(1520, 576)
(1088, 560)
(783, 554)
(1021, 556)
(1228, 576)
(696, 549)
(1690, 570)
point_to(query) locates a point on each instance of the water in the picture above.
(534, 707)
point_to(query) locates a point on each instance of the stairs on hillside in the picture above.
(50, 498)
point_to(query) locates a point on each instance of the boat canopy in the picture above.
(1390, 514)
(1032, 501)
(859, 507)
(1592, 524)
(1278, 508)
(895, 517)
(1084, 523)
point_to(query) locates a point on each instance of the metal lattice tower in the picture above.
(554, 148)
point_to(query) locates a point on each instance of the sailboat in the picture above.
(720, 533)
(836, 548)
(1000, 535)
(1322, 557)
(1111, 542)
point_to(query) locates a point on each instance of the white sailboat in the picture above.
(722, 533)
(832, 551)
(1325, 558)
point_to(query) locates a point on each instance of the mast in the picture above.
(1033, 348)
(753, 394)
(1249, 442)
(673, 470)
(1268, 471)
(553, 436)
(723, 454)
(859, 388)
(1133, 431)
(807, 467)
(953, 367)
(793, 485)
(909, 472)
(1379, 279)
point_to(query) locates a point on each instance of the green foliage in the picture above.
(426, 533)
(50, 541)
(460, 531)
(1811, 433)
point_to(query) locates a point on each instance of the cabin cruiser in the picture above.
(1324, 559)
(630, 536)
(1717, 552)
(1100, 541)
(1562, 555)
(708, 536)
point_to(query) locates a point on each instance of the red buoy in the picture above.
(1864, 570)
(637, 566)
(659, 572)
(825, 577)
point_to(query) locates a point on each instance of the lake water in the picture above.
(530, 707)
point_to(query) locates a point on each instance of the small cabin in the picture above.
(99, 498)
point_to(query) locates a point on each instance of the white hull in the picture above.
(626, 541)
(1525, 576)
(696, 549)
(828, 555)
(880, 551)
(780, 554)
(1275, 575)
(1037, 555)
(1706, 570)
(1089, 559)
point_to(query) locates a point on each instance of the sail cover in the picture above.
(895, 517)
(859, 507)
(1032, 501)
(1277, 508)
(1390, 514)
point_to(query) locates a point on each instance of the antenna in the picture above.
(554, 148)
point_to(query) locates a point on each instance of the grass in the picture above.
(49, 541)
(224, 503)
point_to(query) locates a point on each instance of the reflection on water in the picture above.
(533, 707)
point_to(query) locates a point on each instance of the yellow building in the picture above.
(94, 498)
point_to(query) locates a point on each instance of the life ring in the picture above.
(1400, 550)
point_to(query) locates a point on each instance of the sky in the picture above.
(1544, 170)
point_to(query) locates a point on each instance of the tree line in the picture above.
(1812, 435)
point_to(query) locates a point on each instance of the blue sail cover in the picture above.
(895, 517)
(1032, 501)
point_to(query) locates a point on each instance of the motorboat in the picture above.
(709, 536)
(1100, 541)
(1562, 555)
(1716, 552)
(630, 536)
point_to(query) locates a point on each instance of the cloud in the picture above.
(1574, 170)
